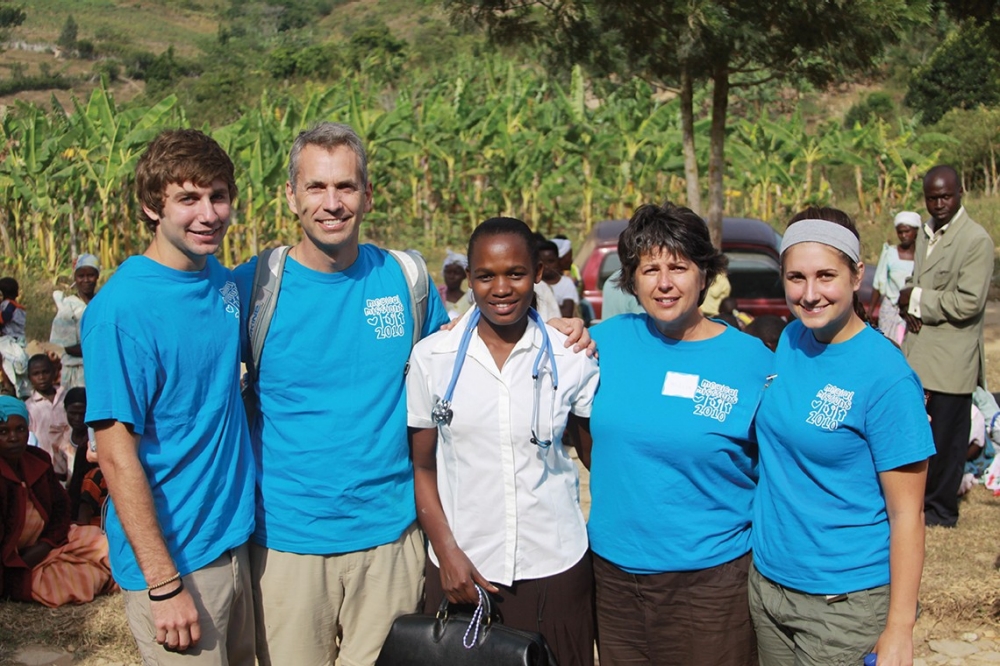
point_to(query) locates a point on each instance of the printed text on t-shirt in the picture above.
(231, 297)
(830, 407)
(386, 315)
(715, 400)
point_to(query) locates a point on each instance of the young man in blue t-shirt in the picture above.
(162, 347)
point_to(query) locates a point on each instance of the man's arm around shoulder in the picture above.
(176, 618)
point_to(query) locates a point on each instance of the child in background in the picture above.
(12, 330)
(728, 306)
(48, 413)
(768, 329)
(78, 440)
(93, 496)
(562, 286)
(13, 317)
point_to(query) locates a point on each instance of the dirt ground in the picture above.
(960, 592)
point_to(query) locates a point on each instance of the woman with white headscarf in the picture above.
(452, 294)
(894, 266)
(69, 314)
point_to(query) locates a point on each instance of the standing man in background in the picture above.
(944, 304)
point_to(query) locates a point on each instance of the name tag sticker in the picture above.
(680, 385)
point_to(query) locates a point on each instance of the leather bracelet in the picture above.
(168, 581)
(167, 595)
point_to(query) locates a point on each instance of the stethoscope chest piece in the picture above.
(442, 413)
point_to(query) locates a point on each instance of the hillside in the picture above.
(189, 26)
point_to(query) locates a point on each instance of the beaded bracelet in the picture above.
(163, 583)
(167, 595)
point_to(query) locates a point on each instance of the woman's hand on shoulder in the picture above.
(459, 577)
(895, 646)
(576, 334)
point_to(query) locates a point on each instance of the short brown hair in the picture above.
(672, 228)
(177, 156)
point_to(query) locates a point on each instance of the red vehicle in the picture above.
(752, 247)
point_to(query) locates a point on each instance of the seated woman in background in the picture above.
(496, 491)
(673, 465)
(42, 556)
(838, 530)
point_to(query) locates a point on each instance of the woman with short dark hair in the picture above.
(673, 460)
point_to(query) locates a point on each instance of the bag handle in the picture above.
(481, 617)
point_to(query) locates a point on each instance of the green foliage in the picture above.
(107, 70)
(21, 82)
(876, 105)
(970, 139)
(163, 71)
(446, 152)
(374, 48)
(962, 73)
(70, 31)
(11, 16)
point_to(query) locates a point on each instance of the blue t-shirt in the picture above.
(835, 417)
(333, 466)
(673, 466)
(163, 355)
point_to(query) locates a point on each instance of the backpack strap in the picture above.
(418, 280)
(264, 299)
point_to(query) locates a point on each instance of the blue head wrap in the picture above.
(11, 406)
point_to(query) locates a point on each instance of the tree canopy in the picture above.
(684, 43)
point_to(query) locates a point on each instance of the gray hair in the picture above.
(328, 135)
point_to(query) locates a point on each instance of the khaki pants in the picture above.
(303, 600)
(221, 592)
(799, 629)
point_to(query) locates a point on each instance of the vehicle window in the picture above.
(609, 265)
(754, 275)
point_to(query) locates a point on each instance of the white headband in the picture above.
(825, 232)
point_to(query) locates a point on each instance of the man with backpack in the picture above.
(336, 543)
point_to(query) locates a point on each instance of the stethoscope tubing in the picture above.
(442, 413)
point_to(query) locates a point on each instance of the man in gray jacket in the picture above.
(944, 306)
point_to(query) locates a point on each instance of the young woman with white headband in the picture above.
(838, 532)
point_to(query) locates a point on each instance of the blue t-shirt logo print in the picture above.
(231, 297)
(830, 407)
(386, 316)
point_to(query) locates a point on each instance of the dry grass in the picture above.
(93, 632)
(961, 584)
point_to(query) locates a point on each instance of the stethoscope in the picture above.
(442, 412)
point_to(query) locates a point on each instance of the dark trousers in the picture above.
(951, 421)
(676, 618)
(559, 607)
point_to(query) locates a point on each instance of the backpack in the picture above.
(264, 299)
